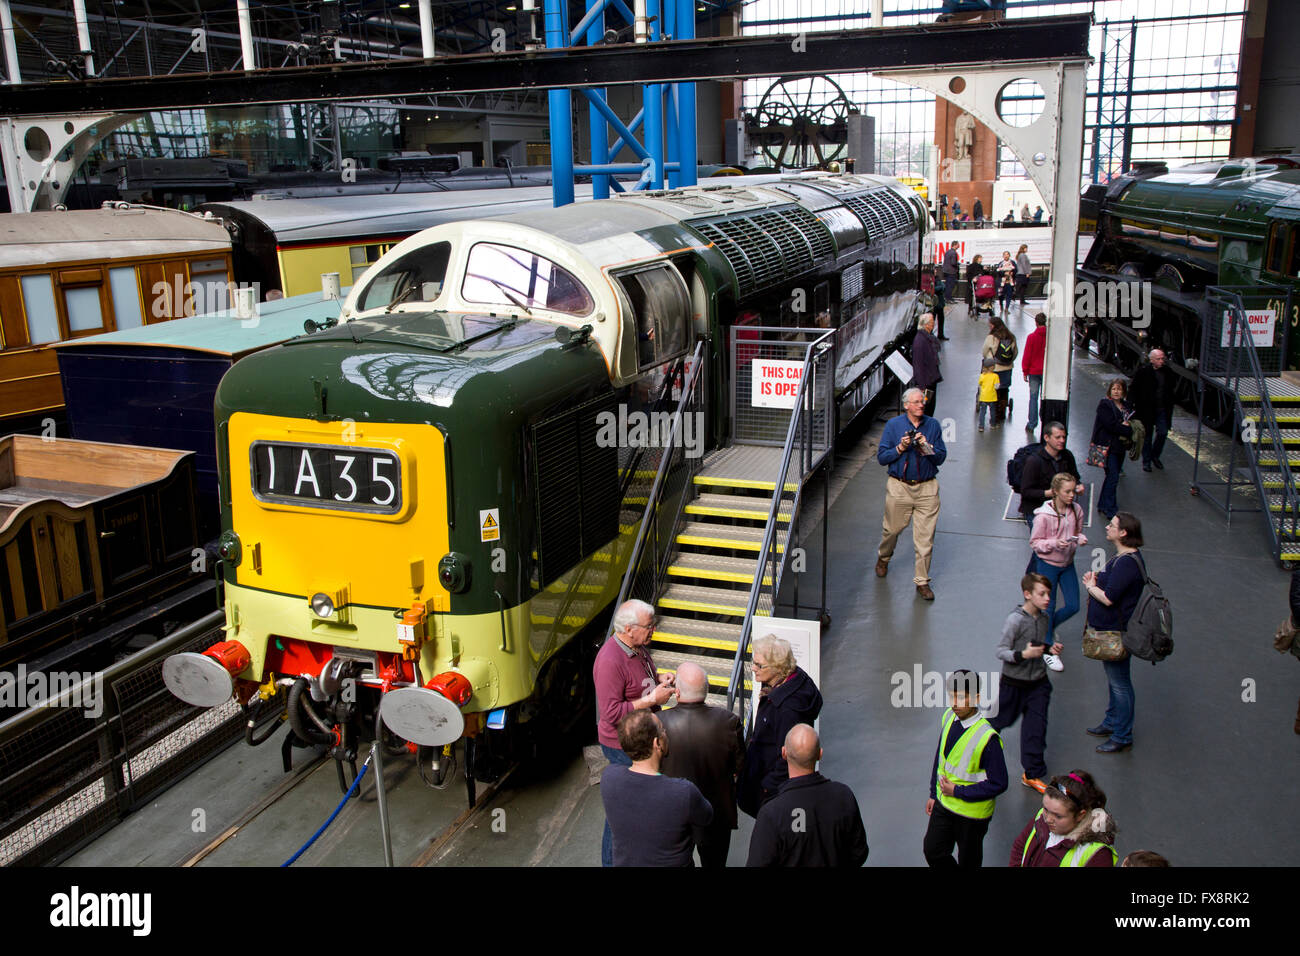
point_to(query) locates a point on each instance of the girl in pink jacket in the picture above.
(1057, 534)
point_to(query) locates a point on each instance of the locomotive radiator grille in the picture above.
(766, 248)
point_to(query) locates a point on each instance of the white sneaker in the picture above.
(1053, 662)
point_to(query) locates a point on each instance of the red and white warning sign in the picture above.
(775, 383)
(1261, 323)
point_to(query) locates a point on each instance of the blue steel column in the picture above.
(652, 97)
(668, 96)
(561, 112)
(687, 155)
(599, 130)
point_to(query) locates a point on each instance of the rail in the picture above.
(1235, 361)
(810, 432)
(101, 746)
(674, 475)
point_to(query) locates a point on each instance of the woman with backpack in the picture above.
(1113, 595)
(1000, 345)
(1057, 535)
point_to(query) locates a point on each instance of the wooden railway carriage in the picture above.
(64, 275)
(1235, 223)
(88, 531)
(425, 484)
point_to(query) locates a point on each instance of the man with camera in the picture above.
(912, 449)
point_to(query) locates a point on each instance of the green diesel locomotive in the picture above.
(416, 504)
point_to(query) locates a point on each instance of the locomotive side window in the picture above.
(1276, 256)
(1293, 252)
(125, 291)
(415, 277)
(502, 275)
(42, 319)
(662, 311)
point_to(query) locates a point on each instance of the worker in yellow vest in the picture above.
(968, 774)
(1072, 829)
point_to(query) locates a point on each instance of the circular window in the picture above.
(1020, 103)
(37, 143)
(957, 84)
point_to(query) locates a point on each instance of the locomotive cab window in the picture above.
(1281, 256)
(415, 277)
(661, 314)
(503, 275)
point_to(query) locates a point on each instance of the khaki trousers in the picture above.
(917, 505)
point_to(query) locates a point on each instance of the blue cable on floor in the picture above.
(315, 836)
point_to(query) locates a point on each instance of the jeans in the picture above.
(1120, 705)
(1106, 502)
(985, 407)
(950, 287)
(614, 756)
(1006, 294)
(1035, 384)
(1154, 443)
(1066, 581)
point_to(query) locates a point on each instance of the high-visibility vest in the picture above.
(1077, 855)
(962, 766)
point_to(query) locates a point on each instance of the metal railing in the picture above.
(675, 472)
(1231, 360)
(809, 438)
(72, 766)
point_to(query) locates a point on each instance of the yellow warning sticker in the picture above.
(489, 524)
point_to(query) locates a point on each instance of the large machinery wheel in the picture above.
(802, 122)
(1218, 411)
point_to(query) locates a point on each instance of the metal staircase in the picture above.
(1249, 369)
(712, 548)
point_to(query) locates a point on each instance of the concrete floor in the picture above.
(1212, 721)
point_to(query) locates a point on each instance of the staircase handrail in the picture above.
(1241, 337)
(815, 349)
(652, 501)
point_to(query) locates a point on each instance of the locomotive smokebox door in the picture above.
(422, 716)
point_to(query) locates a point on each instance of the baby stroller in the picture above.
(986, 293)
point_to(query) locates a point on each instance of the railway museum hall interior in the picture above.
(429, 428)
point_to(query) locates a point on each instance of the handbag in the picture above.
(1097, 455)
(1103, 645)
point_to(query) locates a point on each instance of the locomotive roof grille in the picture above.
(766, 248)
(882, 212)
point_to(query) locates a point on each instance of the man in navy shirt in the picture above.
(912, 449)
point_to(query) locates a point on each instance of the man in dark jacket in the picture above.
(707, 747)
(811, 821)
(978, 211)
(1152, 395)
(951, 266)
(1041, 467)
(925, 362)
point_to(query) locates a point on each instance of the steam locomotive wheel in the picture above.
(1105, 344)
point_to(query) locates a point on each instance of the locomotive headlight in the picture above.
(229, 548)
(322, 604)
(454, 572)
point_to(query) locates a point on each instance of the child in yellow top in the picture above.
(987, 396)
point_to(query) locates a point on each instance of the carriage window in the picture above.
(42, 319)
(84, 311)
(414, 277)
(663, 314)
(126, 298)
(362, 258)
(501, 275)
(209, 275)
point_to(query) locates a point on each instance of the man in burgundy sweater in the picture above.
(626, 680)
(1031, 363)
